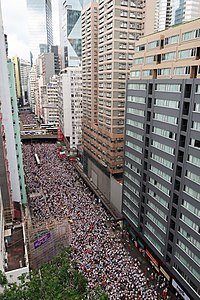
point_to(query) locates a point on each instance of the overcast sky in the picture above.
(15, 26)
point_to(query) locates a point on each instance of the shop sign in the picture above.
(179, 290)
(140, 243)
(164, 273)
(152, 258)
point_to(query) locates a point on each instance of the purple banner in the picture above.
(42, 240)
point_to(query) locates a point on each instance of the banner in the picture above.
(179, 290)
(151, 257)
(164, 273)
(42, 240)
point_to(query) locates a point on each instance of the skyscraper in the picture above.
(70, 32)
(39, 24)
(109, 29)
(161, 14)
(162, 154)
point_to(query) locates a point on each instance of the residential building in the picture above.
(161, 14)
(39, 25)
(70, 105)
(57, 66)
(162, 154)
(109, 32)
(50, 108)
(70, 32)
(18, 84)
(7, 125)
(16, 126)
(32, 88)
(25, 67)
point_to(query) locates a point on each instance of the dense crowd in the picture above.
(59, 192)
(27, 118)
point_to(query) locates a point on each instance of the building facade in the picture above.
(70, 32)
(162, 150)
(161, 14)
(16, 126)
(109, 32)
(39, 25)
(70, 105)
(50, 108)
(18, 83)
(25, 67)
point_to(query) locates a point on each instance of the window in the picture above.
(140, 48)
(132, 168)
(182, 71)
(135, 73)
(132, 189)
(187, 265)
(157, 210)
(196, 125)
(133, 200)
(133, 210)
(190, 238)
(163, 147)
(135, 123)
(187, 53)
(159, 186)
(165, 133)
(169, 56)
(137, 112)
(156, 222)
(158, 199)
(153, 242)
(166, 119)
(134, 147)
(164, 72)
(153, 45)
(189, 35)
(150, 59)
(147, 73)
(130, 216)
(167, 103)
(162, 161)
(194, 160)
(133, 157)
(137, 86)
(139, 61)
(194, 210)
(194, 194)
(168, 87)
(155, 232)
(135, 135)
(190, 223)
(136, 99)
(161, 174)
(171, 40)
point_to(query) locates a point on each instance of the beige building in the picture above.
(109, 31)
(173, 53)
(50, 107)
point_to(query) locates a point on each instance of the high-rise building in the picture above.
(32, 88)
(57, 66)
(70, 32)
(25, 67)
(70, 105)
(162, 154)
(18, 84)
(161, 14)
(109, 32)
(39, 24)
(50, 107)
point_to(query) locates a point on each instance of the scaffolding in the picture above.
(46, 240)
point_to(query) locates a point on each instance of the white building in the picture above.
(25, 67)
(50, 108)
(70, 104)
(32, 87)
(7, 120)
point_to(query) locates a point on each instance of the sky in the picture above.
(15, 26)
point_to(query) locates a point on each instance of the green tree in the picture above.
(57, 280)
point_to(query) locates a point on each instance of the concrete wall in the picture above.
(116, 193)
(102, 180)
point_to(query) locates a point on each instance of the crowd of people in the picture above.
(27, 118)
(60, 192)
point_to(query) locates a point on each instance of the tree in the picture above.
(58, 280)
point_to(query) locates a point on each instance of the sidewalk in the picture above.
(144, 264)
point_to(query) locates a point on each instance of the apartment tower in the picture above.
(162, 154)
(109, 32)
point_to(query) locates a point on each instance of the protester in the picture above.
(57, 190)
